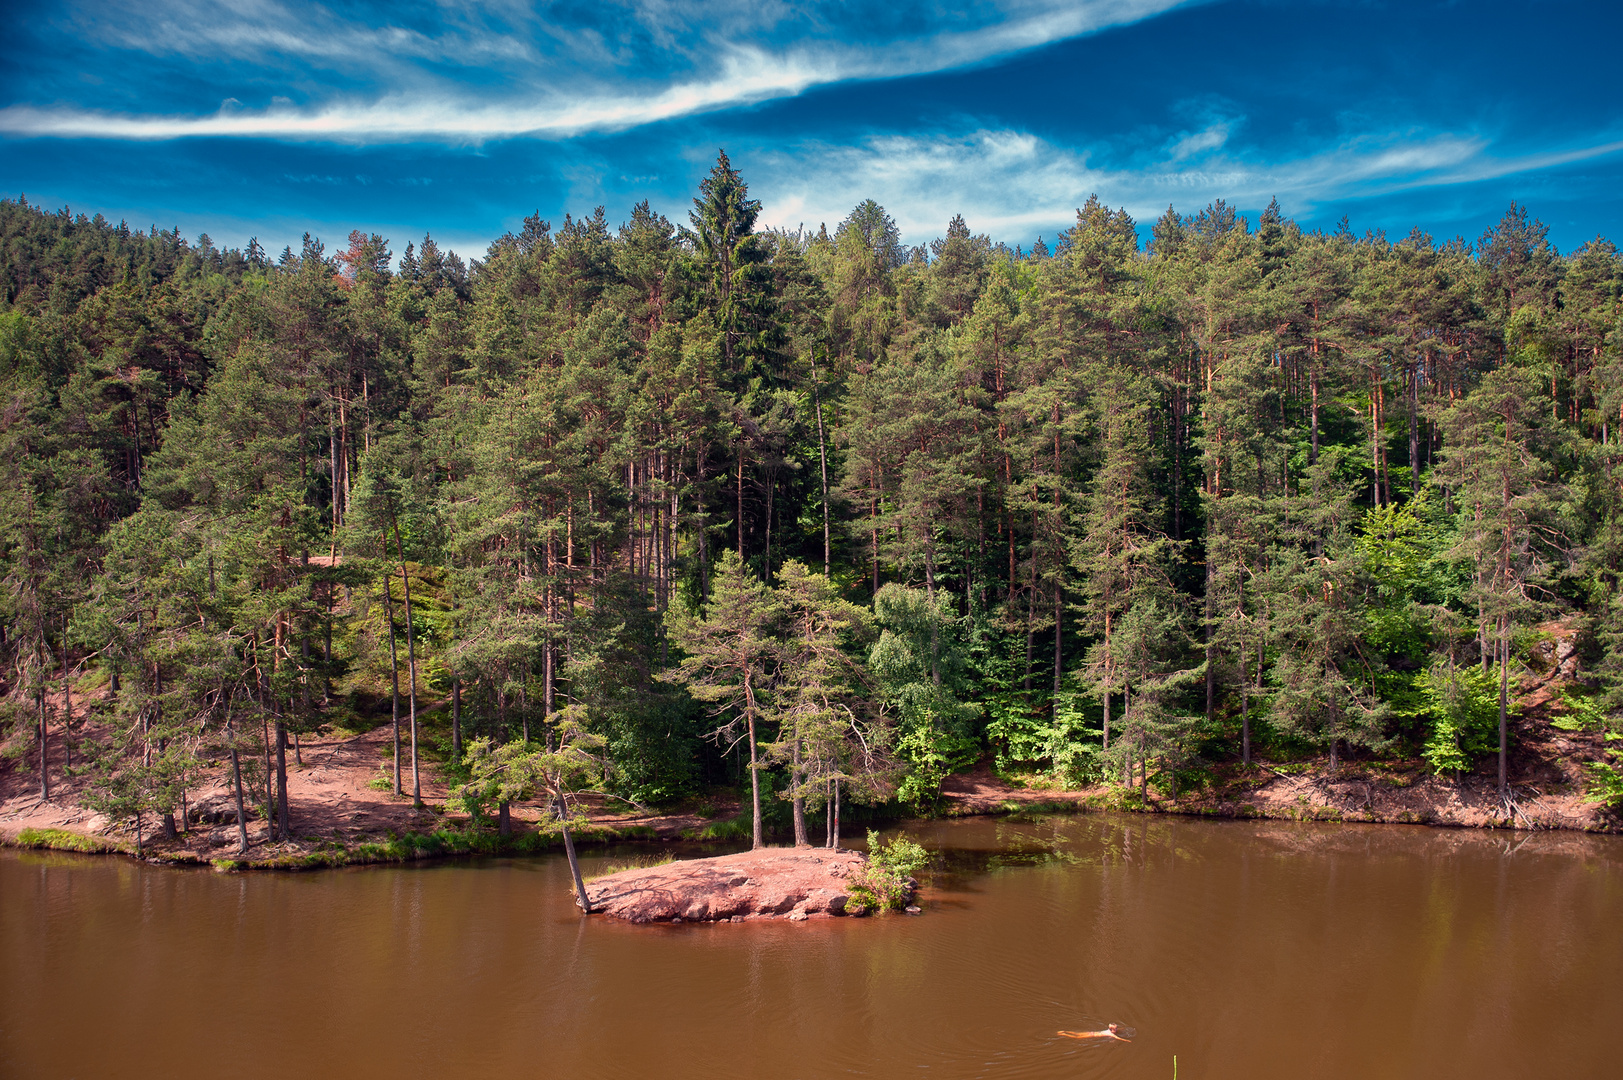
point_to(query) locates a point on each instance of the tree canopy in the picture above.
(1105, 509)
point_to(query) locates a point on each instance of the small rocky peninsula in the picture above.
(767, 883)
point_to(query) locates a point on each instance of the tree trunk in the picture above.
(236, 776)
(582, 899)
(1126, 711)
(771, 492)
(1206, 633)
(1031, 632)
(700, 531)
(1059, 638)
(270, 774)
(456, 718)
(1381, 461)
(1177, 464)
(394, 675)
(549, 670)
(1245, 710)
(1108, 671)
(281, 780)
(1059, 575)
(326, 649)
(1414, 429)
(67, 704)
(801, 839)
(1504, 703)
(935, 625)
(836, 841)
(44, 751)
(822, 454)
(1313, 449)
(411, 663)
(755, 790)
(873, 536)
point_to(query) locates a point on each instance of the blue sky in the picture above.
(270, 117)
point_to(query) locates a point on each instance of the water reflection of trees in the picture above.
(964, 850)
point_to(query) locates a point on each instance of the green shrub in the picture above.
(884, 881)
(1605, 781)
(1463, 707)
(1017, 734)
(1581, 713)
(933, 755)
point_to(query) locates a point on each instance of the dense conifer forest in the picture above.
(654, 501)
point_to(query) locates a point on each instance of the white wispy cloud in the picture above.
(507, 70)
(257, 30)
(1188, 144)
(1013, 184)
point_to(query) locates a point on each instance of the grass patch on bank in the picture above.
(440, 843)
(445, 842)
(741, 827)
(1018, 811)
(643, 863)
(62, 840)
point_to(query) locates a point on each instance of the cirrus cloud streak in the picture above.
(527, 76)
(1010, 183)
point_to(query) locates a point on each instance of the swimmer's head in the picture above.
(1112, 1029)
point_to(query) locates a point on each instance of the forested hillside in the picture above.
(689, 494)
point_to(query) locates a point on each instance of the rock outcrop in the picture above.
(769, 883)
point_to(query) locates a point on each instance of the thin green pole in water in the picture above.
(1174, 1067)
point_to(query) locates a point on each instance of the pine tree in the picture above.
(828, 732)
(1324, 684)
(730, 662)
(502, 775)
(1121, 553)
(1151, 654)
(1500, 443)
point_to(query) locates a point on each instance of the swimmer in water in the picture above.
(1110, 1032)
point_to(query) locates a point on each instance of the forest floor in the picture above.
(340, 814)
(340, 799)
(1547, 787)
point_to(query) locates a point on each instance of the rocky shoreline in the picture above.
(343, 813)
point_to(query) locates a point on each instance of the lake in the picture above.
(1246, 949)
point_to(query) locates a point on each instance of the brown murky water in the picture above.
(1247, 950)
